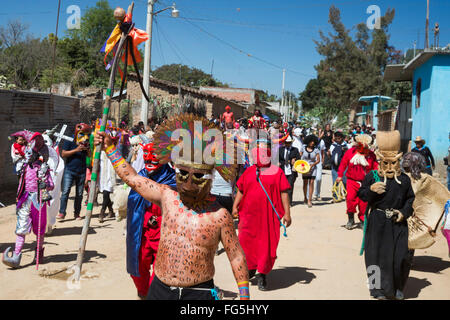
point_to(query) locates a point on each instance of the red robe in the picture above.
(259, 227)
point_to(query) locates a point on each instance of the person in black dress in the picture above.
(390, 197)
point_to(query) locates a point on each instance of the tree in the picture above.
(350, 68)
(23, 58)
(188, 76)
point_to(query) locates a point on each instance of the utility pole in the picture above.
(427, 44)
(212, 67)
(414, 48)
(147, 61)
(55, 40)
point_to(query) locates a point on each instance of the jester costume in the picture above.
(357, 161)
(144, 223)
(32, 197)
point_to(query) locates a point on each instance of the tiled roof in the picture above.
(245, 97)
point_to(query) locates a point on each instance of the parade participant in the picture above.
(56, 165)
(431, 197)
(18, 152)
(106, 183)
(288, 155)
(358, 161)
(75, 154)
(144, 223)
(31, 209)
(227, 118)
(257, 121)
(426, 153)
(259, 224)
(310, 154)
(336, 153)
(318, 181)
(193, 223)
(297, 135)
(390, 198)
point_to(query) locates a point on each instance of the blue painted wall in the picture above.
(431, 120)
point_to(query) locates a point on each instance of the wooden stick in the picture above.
(97, 151)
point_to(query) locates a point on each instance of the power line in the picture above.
(173, 47)
(159, 42)
(245, 52)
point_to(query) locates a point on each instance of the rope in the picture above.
(281, 223)
(377, 179)
(339, 193)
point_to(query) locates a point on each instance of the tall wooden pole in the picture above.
(97, 151)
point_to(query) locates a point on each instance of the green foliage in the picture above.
(350, 68)
(188, 76)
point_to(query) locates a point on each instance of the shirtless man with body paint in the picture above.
(191, 229)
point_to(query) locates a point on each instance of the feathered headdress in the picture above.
(194, 134)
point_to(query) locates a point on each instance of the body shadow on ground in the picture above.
(286, 277)
(429, 264)
(414, 286)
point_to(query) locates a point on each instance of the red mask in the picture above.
(150, 159)
(261, 157)
(362, 149)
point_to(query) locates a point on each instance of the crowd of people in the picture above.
(178, 210)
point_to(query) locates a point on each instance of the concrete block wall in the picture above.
(35, 112)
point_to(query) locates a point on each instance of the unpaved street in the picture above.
(318, 260)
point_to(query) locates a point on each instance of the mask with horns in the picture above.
(388, 154)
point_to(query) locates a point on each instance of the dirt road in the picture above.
(318, 260)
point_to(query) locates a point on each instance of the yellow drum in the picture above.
(302, 166)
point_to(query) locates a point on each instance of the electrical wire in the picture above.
(245, 52)
(159, 43)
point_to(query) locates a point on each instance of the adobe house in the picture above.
(169, 91)
(246, 97)
(429, 73)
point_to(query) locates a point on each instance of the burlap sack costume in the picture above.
(431, 196)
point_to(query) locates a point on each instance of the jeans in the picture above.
(334, 176)
(70, 178)
(318, 179)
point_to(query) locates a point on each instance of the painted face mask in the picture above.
(194, 186)
(82, 132)
(150, 159)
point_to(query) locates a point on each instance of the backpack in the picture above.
(337, 155)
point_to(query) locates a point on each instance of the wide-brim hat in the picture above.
(419, 139)
(288, 139)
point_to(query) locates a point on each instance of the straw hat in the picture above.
(289, 139)
(419, 139)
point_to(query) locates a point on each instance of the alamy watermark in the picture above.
(74, 20)
(217, 151)
(373, 277)
(374, 20)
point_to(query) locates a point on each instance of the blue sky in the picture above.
(278, 34)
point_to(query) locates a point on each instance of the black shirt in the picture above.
(77, 162)
(427, 155)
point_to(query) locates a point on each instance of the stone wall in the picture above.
(164, 90)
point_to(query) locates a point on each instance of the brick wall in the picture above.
(35, 112)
